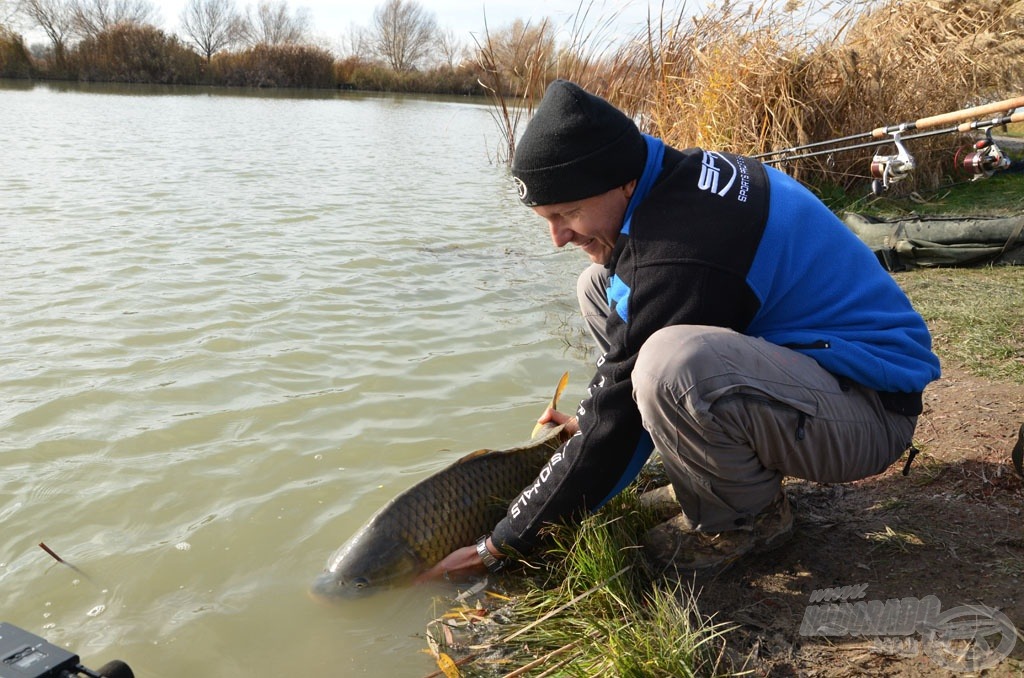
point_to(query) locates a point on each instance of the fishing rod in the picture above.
(922, 123)
(964, 127)
(982, 162)
(985, 160)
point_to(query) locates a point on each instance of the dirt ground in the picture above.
(953, 529)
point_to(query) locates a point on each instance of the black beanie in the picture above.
(577, 145)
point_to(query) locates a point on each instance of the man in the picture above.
(743, 329)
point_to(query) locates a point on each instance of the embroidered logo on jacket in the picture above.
(711, 166)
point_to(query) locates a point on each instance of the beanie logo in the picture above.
(520, 188)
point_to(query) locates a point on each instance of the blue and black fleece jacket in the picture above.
(718, 239)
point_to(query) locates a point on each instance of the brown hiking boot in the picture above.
(673, 545)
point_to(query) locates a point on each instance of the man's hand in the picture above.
(553, 415)
(457, 565)
(460, 564)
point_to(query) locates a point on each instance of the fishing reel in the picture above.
(984, 160)
(890, 169)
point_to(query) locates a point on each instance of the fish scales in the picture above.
(464, 500)
(434, 517)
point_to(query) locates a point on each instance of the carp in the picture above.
(441, 513)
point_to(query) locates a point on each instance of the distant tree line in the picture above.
(262, 45)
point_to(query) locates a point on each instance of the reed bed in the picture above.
(751, 79)
(274, 66)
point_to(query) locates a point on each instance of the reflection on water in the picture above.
(234, 325)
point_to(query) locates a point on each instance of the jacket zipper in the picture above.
(819, 344)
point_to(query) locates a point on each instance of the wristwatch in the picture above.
(493, 564)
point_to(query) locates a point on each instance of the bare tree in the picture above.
(514, 63)
(450, 47)
(521, 47)
(92, 17)
(273, 23)
(56, 18)
(211, 25)
(9, 9)
(404, 33)
(356, 42)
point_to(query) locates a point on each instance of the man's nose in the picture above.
(560, 235)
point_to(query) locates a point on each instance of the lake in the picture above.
(234, 324)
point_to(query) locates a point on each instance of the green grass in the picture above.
(594, 612)
(976, 316)
(1000, 194)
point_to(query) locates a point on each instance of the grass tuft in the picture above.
(595, 611)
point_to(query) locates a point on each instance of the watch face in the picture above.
(488, 558)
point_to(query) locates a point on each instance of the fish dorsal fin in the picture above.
(553, 404)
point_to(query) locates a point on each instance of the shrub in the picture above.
(274, 66)
(356, 73)
(15, 61)
(129, 52)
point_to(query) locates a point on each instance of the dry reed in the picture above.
(752, 79)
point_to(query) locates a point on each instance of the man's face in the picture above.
(591, 224)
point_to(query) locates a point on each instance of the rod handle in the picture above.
(953, 116)
(969, 126)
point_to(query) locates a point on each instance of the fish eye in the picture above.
(360, 582)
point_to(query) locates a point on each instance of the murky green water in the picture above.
(232, 326)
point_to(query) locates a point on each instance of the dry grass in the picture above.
(752, 82)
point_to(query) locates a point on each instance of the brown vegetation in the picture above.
(751, 81)
(274, 66)
(14, 58)
(754, 79)
(131, 53)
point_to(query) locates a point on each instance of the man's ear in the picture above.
(629, 188)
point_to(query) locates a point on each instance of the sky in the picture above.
(333, 19)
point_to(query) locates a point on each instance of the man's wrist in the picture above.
(491, 557)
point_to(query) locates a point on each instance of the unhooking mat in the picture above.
(907, 242)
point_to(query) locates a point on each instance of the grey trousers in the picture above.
(732, 415)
